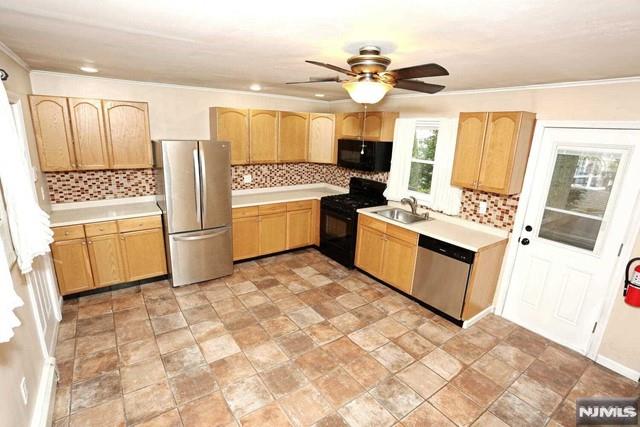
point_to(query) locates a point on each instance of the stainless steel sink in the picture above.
(400, 215)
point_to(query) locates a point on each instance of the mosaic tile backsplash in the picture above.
(81, 186)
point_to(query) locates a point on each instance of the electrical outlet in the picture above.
(482, 208)
(247, 179)
(24, 390)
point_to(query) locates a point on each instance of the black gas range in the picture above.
(339, 219)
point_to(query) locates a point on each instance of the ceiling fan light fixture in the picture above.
(367, 91)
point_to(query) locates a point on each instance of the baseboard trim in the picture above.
(619, 368)
(43, 410)
(477, 317)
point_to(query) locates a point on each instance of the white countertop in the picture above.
(102, 210)
(456, 231)
(261, 196)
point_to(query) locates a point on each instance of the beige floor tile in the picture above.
(344, 350)
(415, 344)
(162, 306)
(392, 357)
(295, 343)
(253, 299)
(95, 325)
(351, 301)
(66, 350)
(315, 363)
(270, 415)
(338, 387)
(208, 411)
(409, 318)
(125, 317)
(514, 411)
(175, 340)
(390, 328)
(134, 331)
(107, 414)
(391, 303)
(365, 411)
(192, 384)
(142, 374)
(435, 333)
(512, 356)
(535, 394)
(219, 348)
(426, 415)
(367, 371)
(489, 420)
(137, 351)
(84, 312)
(95, 391)
(250, 336)
(265, 311)
(496, 325)
(456, 406)
(323, 333)
(442, 363)
(168, 323)
(284, 379)
(148, 402)
(168, 419)
(527, 341)
(368, 338)
(396, 397)
(94, 365)
(182, 360)
(231, 369)
(479, 388)
(65, 371)
(462, 349)
(279, 326)
(208, 329)
(479, 338)
(94, 343)
(496, 370)
(227, 305)
(191, 300)
(246, 396)
(305, 317)
(305, 406)
(329, 309)
(265, 356)
(199, 314)
(422, 379)
(127, 301)
(62, 402)
(347, 323)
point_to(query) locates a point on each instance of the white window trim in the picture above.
(422, 198)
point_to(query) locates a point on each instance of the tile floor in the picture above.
(298, 340)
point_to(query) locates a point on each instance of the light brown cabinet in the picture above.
(52, 128)
(232, 125)
(127, 130)
(387, 252)
(300, 230)
(263, 136)
(86, 134)
(272, 233)
(322, 141)
(492, 151)
(293, 140)
(87, 124)
(349, 125)
(71, 262)
(379, 126)
(106, 253)
(245, 241)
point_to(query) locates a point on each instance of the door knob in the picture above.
(525, 241)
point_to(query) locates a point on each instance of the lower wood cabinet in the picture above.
(271, 228)
(387, 252)
(73, 269)
(143, 253)
(107, 253)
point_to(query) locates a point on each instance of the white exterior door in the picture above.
(579, 209)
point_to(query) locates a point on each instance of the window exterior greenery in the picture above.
(422, 159)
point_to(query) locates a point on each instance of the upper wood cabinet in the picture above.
(232, 125)
(127, 129)
(293, 137)
(87, 125)
(322, 141)
(349, 125)
(50, 117)
(492, 151)
(379, 126)
(263, 134)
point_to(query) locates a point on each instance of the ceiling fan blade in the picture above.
(332, 67)
(418, 71)
(418, 86)
(317, 80)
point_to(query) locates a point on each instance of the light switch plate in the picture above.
(247, 179)
(482, 208)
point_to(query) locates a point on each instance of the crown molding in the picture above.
(541, 86)
(11, 54)
(179, 86)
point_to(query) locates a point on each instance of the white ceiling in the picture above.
(231, 44)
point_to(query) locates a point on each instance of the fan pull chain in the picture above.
(364, 124)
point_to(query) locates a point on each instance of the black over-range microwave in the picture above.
(371, 156)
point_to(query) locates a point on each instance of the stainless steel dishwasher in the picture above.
(442, 274)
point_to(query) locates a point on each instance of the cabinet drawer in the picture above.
(301, 205)
(402, 234)
(271, 209)
(68, 233)
(100, 228)
(142, 223)
(367, 221)
(244, 212)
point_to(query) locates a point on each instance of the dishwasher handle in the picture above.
(447, 249)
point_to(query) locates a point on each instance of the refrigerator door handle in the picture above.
(202, 237)
(203, 173)
(196, 168)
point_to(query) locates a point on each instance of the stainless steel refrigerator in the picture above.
(194, 193)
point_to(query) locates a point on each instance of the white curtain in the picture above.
(444, 197)
(28, 224)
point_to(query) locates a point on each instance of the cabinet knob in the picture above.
(90, 242)
(66, 233)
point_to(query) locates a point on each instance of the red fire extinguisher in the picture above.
(632, 284)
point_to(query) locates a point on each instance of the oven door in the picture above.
(337, 236)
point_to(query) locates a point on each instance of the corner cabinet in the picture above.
(492, 150)
(87, 134)
(387, 252)
(232, 125)
(107, 253)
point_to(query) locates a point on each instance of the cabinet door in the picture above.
(497, 155)
(398, 263)
(299, 228)
(466, 164)
(369, 250)
(87, 125)
(73, 270)
(263, 138)
(106, 260)
(246, 242)
(322, 140)
(273, 229)
(50, 117)
(293, 139)
(350, 125)
(315, 224)
(372, 126)
(230, 124)
(143, 254)
(127, 130)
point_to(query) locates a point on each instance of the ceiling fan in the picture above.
(369, 79)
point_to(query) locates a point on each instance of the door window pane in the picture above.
(578, 196)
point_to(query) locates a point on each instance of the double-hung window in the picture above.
(420, 173)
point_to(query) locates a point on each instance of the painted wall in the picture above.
(175, 112)
(22, 356)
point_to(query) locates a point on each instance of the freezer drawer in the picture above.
(200, 255)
